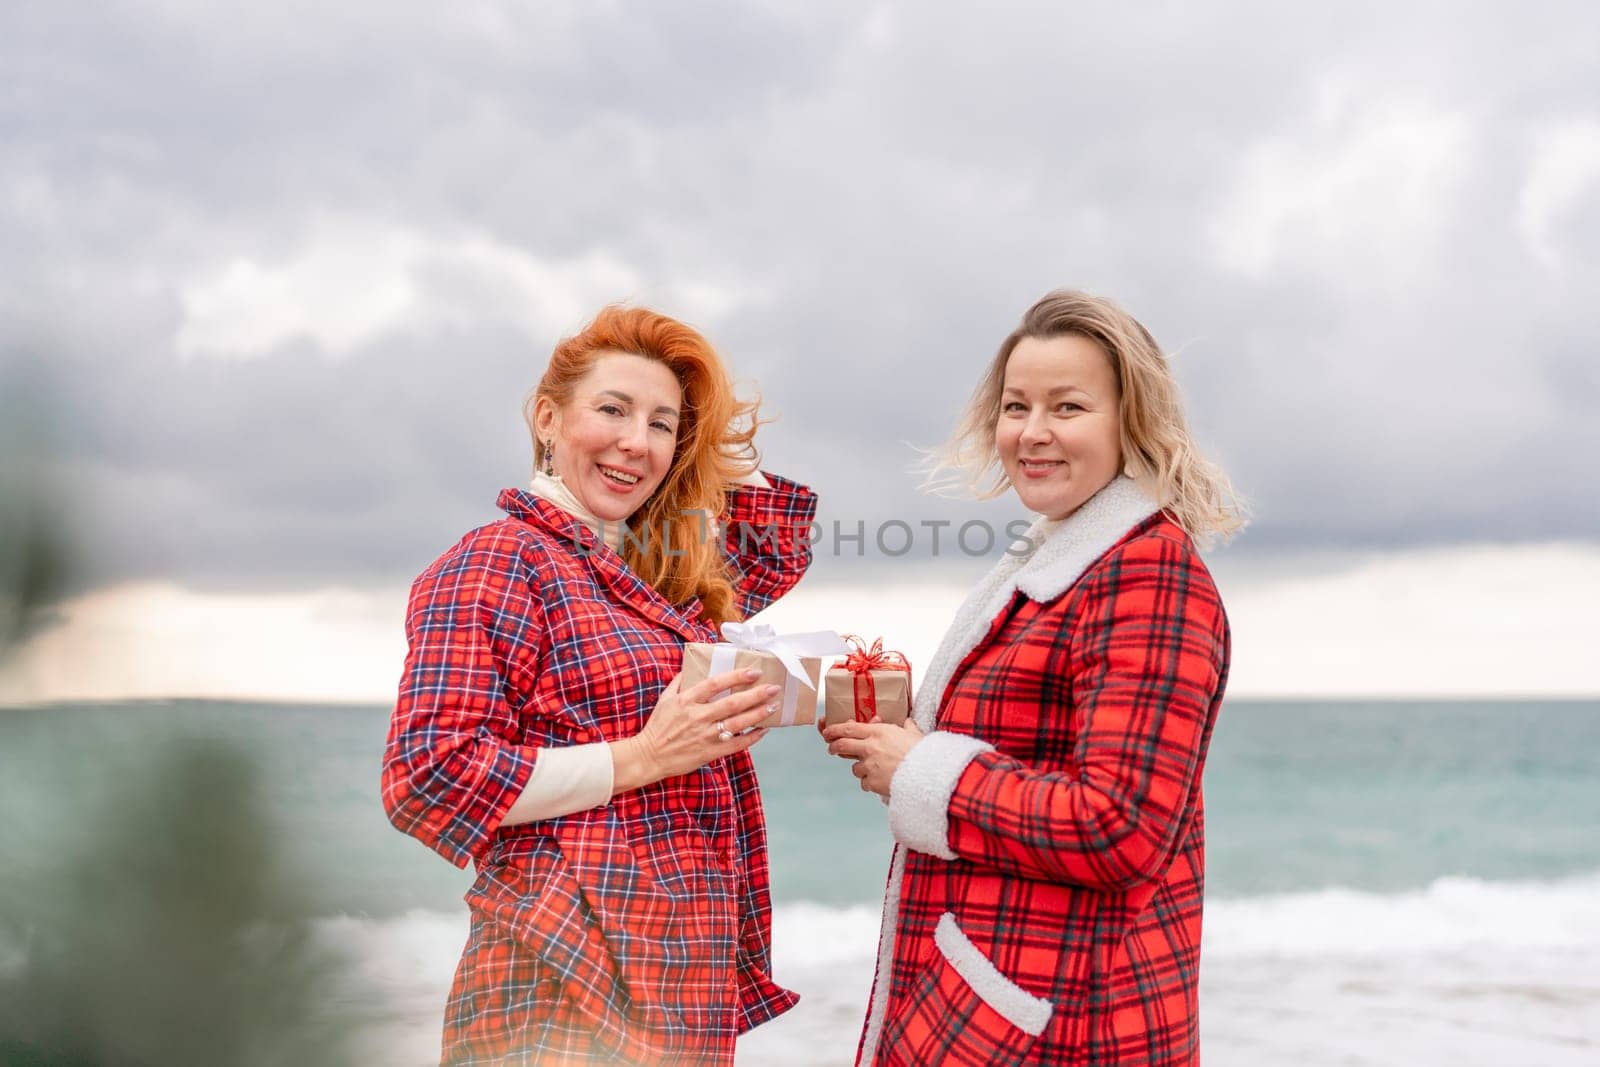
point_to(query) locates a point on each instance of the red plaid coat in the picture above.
(1045, 901)
(638, 931)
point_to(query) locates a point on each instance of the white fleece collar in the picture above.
(1064, 550)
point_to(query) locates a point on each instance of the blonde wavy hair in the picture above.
(715, 448)
(1157, 449)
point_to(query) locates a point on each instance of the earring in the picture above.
(549, 459)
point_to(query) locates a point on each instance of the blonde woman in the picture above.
(1044, 900)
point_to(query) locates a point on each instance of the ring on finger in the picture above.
(723, 733)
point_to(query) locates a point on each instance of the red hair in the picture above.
(715, 448)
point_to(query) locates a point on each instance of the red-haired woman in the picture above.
(1044, 903)
(621, 910)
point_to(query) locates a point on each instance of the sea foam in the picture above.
(1462, 970)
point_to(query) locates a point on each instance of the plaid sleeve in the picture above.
(760, 998)
(767, 537)
(474, 626)
(1147, 654)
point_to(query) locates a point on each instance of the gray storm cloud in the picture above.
(291, 270)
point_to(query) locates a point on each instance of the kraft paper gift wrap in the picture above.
(793, 661)
(870, 682)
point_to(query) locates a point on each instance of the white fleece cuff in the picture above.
(564, 780)
(919, 792)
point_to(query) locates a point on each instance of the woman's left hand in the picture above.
(876, 746)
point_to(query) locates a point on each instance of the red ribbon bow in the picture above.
(861, 662)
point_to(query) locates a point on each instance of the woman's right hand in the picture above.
(684, 731)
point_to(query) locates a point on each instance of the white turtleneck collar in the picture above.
(550, 487)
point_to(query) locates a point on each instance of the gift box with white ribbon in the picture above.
(793, 661)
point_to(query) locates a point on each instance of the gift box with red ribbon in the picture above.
(870, 682)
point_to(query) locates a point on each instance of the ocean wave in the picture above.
(1448, 914)
(410, 957)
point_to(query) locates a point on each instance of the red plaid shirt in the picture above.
(1079, 838)
(648, 918)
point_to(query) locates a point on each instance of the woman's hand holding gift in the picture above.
(692, 726)
(877, 748)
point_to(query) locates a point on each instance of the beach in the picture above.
(1389, 883)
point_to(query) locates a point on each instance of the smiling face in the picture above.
(614, 440)
(1059, 434)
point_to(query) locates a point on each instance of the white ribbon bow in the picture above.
(759, 637)
(788, 648)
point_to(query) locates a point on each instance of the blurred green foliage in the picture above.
(146, 917)
(167, 931)
(35, 557)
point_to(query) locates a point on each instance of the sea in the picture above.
(1388, 883)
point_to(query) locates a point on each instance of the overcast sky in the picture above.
(291, 267)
